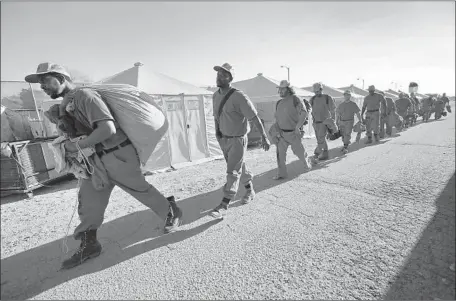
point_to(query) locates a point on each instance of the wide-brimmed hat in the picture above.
(227, 67)
(348, 92)
(45, 68)
(317, 87)
(371, 88)
(284, 84)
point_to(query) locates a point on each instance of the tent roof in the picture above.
(393, 92)
(263, 89)
(333, 92)
(363, 92)
(418, 95)
(153, 83)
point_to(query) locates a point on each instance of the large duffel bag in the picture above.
(137, 113)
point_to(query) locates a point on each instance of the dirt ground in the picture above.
(349, 241)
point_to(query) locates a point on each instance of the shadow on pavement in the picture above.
(335, 154)
(426, 274)
(34, 271)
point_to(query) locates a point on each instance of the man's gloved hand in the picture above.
(297, 131)
(70, 147)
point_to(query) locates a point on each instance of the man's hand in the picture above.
(218, 135)
(297, 131)
(70, 147)
(265, 142)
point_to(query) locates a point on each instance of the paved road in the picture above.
(377, 223)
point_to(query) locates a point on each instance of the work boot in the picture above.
(345, 149)
(324, 155)
(174, 218)
(89, 248)
(369, 140)
(358, 137)
(376, 138)
(308, 162)
(248, 196)
(220, 211)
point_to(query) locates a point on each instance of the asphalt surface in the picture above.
(378, 223)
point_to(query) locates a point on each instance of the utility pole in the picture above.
(359, 78)
(288, 70)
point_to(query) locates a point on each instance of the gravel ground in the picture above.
(376, 223)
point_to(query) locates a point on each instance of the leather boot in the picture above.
(324, 155)
(174, 218)
(89, 248)
(249, 195)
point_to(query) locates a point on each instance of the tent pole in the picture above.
(208, 153)
(185, 109)
(36, 109)
(165, 109)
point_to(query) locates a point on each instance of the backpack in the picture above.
(296, 103)
(313, 97)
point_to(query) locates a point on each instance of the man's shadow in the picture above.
(335, 154)
(37, 270)
(127, 237)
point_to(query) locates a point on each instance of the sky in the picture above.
(388, 44)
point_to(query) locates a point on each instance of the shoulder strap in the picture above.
(224, 100)
(277, 103)
(295, 101)
(312, 100)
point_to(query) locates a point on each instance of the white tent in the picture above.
(364, 93)
(191, 134)
(263, 92)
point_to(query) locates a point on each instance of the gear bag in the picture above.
(137, 114)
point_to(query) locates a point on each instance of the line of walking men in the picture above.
(233, 111)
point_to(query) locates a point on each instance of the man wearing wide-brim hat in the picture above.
(426, 107)
(115, 151)
(413, 89)
(290, 115)
(323, 117)
(373, 104)
(439, 108)
(345, 118)
(233, 110)
(403, 107)
(390, 118)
